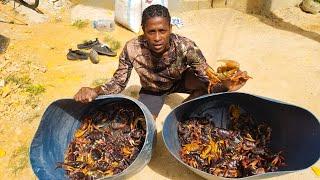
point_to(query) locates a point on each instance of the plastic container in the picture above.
(295, 130)
(104, 25)
(57, 128)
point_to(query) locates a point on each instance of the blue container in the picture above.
(56, 129)
(295, 130)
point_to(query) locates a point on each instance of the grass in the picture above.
(134, 94)
(32, 117)
(35, 89)
(19, 159)
(99, 82)
(80, 23)
(32, 101)
(317, 1)
(20, 80)
(113, 43)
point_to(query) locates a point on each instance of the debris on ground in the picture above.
(4, 43)
(316, 170)
(2, 153)
(311, 6)
(176, 22)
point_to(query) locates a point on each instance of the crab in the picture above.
(240, 150)
(229, 73)
(107, 142)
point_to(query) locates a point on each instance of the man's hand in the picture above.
(224, 86)
(86, 94)
(230, 84)
(233, 86)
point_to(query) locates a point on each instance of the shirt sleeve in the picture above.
(121, 76)
(196, 61)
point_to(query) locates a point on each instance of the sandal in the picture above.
(88, 44)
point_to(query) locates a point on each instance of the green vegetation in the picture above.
(35, 89)
(99, 82)
(25, 85)
(32, 117)
(113, 43)
(32, 101)
(19, 159)
(134, 94)
(80, 23)
(23, 80)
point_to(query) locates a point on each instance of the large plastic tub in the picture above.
(57, 128)
(295, 130)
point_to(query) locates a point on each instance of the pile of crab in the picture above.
(106, 143)
(240, 151)
(228, 73)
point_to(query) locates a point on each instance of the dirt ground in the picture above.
(281, 54)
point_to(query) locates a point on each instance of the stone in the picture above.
(4, 43)
(310, 6)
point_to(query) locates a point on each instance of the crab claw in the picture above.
(139, 120)
(84, 128)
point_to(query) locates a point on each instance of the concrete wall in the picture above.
(249, 6)
(187, 5)
(278, 4)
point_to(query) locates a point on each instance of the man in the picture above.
(165, 62)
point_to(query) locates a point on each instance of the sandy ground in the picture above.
(282, 58)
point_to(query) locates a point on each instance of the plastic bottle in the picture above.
(104, 25)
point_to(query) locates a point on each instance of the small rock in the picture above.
(4, 43)
(2, 153)
(2, 83)
(58, 4)
(6, 57)
(40, 68)
(58, 19)
(18, 131)
(310, 6)
(5, 91)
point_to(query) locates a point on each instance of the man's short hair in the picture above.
(155, 11)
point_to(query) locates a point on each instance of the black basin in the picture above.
(58, 125)
(295, 130)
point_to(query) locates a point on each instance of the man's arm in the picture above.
(115, 85)
(120, 78)
(197, 62)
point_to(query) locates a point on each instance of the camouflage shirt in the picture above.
(157, 74)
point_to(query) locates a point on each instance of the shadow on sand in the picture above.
(162, 161)
(268, 17)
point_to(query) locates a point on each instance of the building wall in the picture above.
(249, 6)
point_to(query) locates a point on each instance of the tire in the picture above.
(29, 5)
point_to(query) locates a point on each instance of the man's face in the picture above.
(157, 31)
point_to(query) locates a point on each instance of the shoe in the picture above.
(104, 50)
(94, 57)
(76, 54)
(88, 44)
